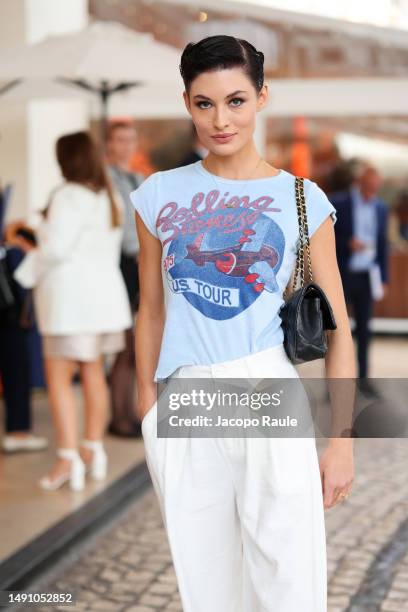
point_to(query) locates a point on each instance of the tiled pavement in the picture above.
(128, 566)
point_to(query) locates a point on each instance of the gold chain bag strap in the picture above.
(306, 314)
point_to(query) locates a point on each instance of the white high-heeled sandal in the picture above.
(76, 475)
(99, 463)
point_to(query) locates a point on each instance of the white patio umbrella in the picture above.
(103, 59)
(153, 101)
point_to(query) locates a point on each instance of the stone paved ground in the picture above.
(128, 567)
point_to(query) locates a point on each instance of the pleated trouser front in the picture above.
(244, 516)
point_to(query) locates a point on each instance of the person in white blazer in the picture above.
(80, 301)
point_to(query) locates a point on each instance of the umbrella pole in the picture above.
(104, 93)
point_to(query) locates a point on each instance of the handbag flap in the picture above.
(315, 290)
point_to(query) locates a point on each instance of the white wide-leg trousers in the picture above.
(244, 516)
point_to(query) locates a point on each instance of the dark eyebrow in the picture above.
(234, 93)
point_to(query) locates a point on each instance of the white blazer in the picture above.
(78, 285)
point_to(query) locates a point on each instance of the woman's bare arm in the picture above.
(336, 463)
(150, 317)
(340, 358)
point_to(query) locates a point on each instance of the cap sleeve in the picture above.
(318, 207)
(144, 200)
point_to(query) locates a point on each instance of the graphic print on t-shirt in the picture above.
(223, 253)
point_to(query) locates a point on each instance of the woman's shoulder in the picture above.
(307, 182)
(76, 198)
(69, 188)
(157, 182)
(179, 170)
(165, 175)
(311, 188)
(318, 206)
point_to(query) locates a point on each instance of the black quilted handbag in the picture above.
(306, 314)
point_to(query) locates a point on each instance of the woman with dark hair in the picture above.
(80, 302)
(218, 240)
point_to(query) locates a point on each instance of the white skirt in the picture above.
(83, 347)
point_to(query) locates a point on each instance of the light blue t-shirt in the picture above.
(229, 248)
(365, 229)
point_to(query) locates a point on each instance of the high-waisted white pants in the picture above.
(244, 516)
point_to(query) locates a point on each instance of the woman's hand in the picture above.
(23, 244)
(11, 229)
(336, 462)
(337, 470)
(14, 239)
(145, 402)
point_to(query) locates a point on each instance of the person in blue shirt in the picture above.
(218, 241)
(362, 242)
(121, 143)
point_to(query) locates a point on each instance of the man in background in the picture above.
(121, 144)
(362, 246)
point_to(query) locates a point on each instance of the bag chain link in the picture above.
(303, 236)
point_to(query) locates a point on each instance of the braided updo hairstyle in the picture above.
(221, 52)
